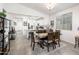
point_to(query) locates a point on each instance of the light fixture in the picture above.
(50, 5)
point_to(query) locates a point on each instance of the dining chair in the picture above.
(34, 40)
(76, 41)
(51, 40)
(57, 37)
(29, 35)
(51, 30)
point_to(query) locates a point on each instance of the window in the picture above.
(64, 22)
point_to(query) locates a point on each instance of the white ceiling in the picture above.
(42, 7)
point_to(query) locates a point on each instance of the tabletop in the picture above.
(41, 35)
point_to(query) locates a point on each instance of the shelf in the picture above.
(4, 34)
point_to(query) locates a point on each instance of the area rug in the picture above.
(40, 51)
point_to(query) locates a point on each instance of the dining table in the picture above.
(41, 35)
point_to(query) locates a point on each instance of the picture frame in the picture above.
(15, 23)
(52, 23)
(24, 23)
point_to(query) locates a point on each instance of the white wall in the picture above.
(68, 35)
(1, 6)
(20, 9)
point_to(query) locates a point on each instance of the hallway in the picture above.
(20, 45)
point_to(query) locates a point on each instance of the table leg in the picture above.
(75, 42)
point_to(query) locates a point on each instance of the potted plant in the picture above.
(3, 13)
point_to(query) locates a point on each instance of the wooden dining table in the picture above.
(41, 35)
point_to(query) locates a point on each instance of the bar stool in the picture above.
(76, 41)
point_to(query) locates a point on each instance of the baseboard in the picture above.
(67, 42)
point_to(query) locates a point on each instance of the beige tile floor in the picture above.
(21, 46)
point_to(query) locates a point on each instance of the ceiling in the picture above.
(41, 7)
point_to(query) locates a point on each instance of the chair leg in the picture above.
(75, 43)
(31, 43)
(33, 46)
(54, 45)
(59, 43)
(41, 44)
(47, 47)
(28, 37)
(78, 42)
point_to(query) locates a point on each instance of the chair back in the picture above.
(41, 31)
(50, 30)
(57, 34)
(32, 36)
(51, 36)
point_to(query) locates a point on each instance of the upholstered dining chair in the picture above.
(51, 40)
(34, 40)
(32, 37)
(41, 31)
(57, 37)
